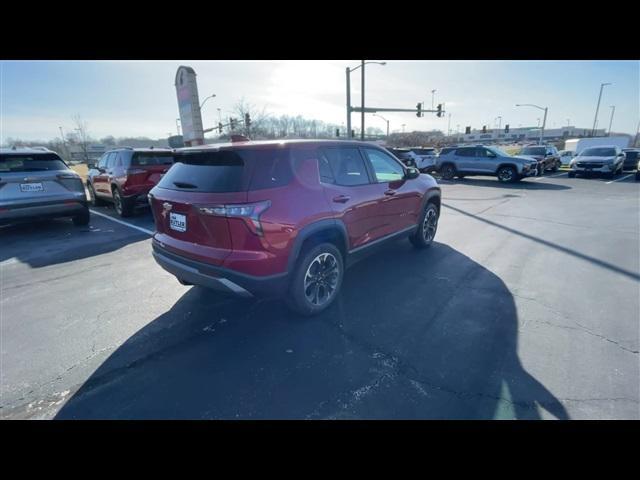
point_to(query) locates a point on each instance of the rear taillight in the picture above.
(249, 212)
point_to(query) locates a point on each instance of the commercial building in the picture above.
(93, 152)
(526, 134)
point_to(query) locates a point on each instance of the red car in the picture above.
(124, 176)
(285, 217)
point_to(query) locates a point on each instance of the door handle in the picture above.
(390, 192)
(341, 199)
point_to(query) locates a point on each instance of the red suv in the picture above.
(285, 217)
(124, 176)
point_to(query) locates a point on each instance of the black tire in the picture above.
(303, 289)
(123, 206)
(95, 201)
(556, 166)
(427, 227)
(507, 174)
(448, 171)
(82, 219)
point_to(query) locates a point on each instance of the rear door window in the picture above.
(31, 163)
(466, 152)
(347, 165)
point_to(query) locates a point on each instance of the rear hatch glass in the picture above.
(31, 163)
(149, 159)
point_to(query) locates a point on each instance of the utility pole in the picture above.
(433, 92)
(348, 103)
(178, 125)
(362, 103)
(613, 109)
(595, 120)
(449, 126)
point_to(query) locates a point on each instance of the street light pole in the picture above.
(613, 109)
(380, 116)
(362, 102)
(602, 85)
(433, 99)
(348, 103)
(449, 126)
(177, 125)
(544, 121)
(349, 70)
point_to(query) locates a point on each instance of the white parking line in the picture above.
(619, 179)
(144, 230)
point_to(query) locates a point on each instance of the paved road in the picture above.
(526, 307)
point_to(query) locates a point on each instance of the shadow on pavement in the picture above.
(524, 184)
(414, 334)
(49, 242)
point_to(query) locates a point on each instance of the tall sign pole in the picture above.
(348, 103)
(362, 115)
(189, 106)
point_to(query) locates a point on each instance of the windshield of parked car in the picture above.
(598, 152)
(31, 163)
(533, 151)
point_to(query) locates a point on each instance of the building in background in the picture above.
(525, 134)
(92, 154)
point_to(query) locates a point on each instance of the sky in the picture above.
(138, 98)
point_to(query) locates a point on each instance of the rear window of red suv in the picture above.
(229, 170)
(145, 159)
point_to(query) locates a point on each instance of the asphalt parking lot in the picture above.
(527, 306)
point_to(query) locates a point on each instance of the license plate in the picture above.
(31, 187)
(178, 222)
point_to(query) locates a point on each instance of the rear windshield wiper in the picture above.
(184, 185)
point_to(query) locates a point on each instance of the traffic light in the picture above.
(467, 130)
(484, 129)
(220, 127)
(337, 132)
(506, 128)
(419, 112)
(439, 114)
(247, 120)
(353, 133)
(232, 122)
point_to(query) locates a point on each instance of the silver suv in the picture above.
(482, 160)
(36, 183)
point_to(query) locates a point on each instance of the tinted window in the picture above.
(218, 171)
(533, 151)
(326, 174)
(631, 155)
(272, 168)
(31, 163)
(466, 152)
(103, 161)
(386, 169)
(599, 152)
(142, 159)
(347, 166)
(111, 159)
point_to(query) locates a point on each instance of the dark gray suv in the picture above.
(36, 183)
(483, 160)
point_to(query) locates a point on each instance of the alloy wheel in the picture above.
(430, 225)
(321, 279)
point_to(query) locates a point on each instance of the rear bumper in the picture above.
(219, 278)
(67, 208)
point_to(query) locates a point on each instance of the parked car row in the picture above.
(532, 160)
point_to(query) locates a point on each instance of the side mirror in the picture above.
(411, 173)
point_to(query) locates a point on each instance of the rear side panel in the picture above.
(206, 238)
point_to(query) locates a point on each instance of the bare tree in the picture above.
(82, 129)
